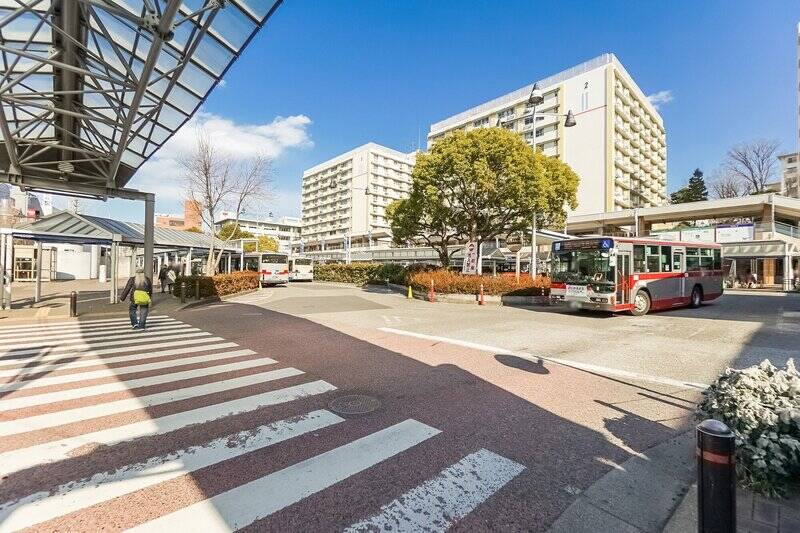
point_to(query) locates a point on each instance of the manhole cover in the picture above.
(354, 404)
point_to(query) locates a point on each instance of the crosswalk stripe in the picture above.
(243, 505)
(17, 372)
(10, 363)
(8, 404)
(57, 450)
(134, 337)
(69, 416)
(58, 340)
(439, 502)
(43, 326)
(77, 495)
(69, 330)
(172, 365)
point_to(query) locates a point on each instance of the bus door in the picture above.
(679, 265)
(623, 275)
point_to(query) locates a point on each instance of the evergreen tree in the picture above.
(694, 191)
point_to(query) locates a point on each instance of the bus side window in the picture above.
(676, 261)
(653, 259)
(717, 260)
(666, 257)
(638, 258)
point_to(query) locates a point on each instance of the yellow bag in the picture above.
(141, 297)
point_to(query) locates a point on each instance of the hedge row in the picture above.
(449, 282)
(360, 273)
(219, 285)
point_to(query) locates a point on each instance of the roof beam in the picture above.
(164, 28)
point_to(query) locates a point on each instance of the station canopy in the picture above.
(90, 89)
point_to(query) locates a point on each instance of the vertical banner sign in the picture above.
(470, 258)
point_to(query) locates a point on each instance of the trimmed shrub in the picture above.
(357, 273)
(761, 405)
(449, 282)
(394, 272)
(219, 285)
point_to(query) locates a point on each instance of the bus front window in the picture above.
(590, 267)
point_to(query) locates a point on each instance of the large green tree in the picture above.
(479, 184)
(694, 191)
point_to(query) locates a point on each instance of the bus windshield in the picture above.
(583, 266)
(273, 258)
(304, 262)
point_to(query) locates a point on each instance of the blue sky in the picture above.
(350, 72)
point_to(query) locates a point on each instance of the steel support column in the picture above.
(37, 295)
(112, 297)
(149, 222)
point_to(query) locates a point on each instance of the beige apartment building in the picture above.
(618, 146)
(344, 199)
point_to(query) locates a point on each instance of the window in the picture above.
(666, 258)
(676, 262)
(528, 120)
(506, 113)
(540, 132)
(584, 100)
(653, 258)
(717, 260)
(638, 258)
(480, 122)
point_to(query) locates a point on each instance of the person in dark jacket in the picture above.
(163, 278)
(139, 282)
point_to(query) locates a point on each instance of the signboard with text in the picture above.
(470, 258)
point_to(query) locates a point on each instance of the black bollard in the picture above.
(73, 304)
(716, 478)
(197, 289)
(183, 292)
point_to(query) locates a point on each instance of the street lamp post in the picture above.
(537, 98)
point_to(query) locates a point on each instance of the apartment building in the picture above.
(618, 146)
(285, 230)
(790, 174)
(190, 219)
(345, 198)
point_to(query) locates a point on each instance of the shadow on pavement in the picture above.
(520, 363)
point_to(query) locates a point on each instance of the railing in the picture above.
(787, 229)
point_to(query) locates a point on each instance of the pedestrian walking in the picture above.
(140, 290)
(163, 277)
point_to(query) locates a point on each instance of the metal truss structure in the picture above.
(90, 89)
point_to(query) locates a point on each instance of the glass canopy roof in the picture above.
(92, 88)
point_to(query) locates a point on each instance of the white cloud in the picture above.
(661, 97)
(162, 174)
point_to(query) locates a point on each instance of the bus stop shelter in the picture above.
(72, 228)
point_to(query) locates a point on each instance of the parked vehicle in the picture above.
(635, 274)
(274, 268)
(301, 269)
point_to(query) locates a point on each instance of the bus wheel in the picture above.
(697, 297)
(641, 304)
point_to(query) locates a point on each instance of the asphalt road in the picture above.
(322, 408)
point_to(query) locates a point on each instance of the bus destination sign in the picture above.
(583, 244)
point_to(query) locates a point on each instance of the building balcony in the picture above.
(622, 146)
(623, 128)
(624, 165)
(623, 182)
(636, 126)
(622, 202)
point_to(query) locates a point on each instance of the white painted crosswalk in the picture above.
(150, 390)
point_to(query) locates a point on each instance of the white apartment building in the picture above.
(618, 146)
(790, 174)
(346, 197)
(286, 230)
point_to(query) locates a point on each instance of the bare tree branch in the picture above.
(753, 164)
(217, 182)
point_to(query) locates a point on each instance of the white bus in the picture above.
(274, 268)
(301, 269)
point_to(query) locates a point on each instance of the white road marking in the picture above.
(88, 338)
(438, 503)
(11, 363)
(53, 326)
(77, 495)
(48, 452)
(257, 499)
(7, 404)
(69, 416)
(174, 365)
(133, 337)
(563, 362)
(45, 332)
(133, 359)
(791, 314)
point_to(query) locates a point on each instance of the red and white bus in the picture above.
(634, 274)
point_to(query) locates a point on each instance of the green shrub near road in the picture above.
(219, 285)
(356, 273)
(761, 405)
